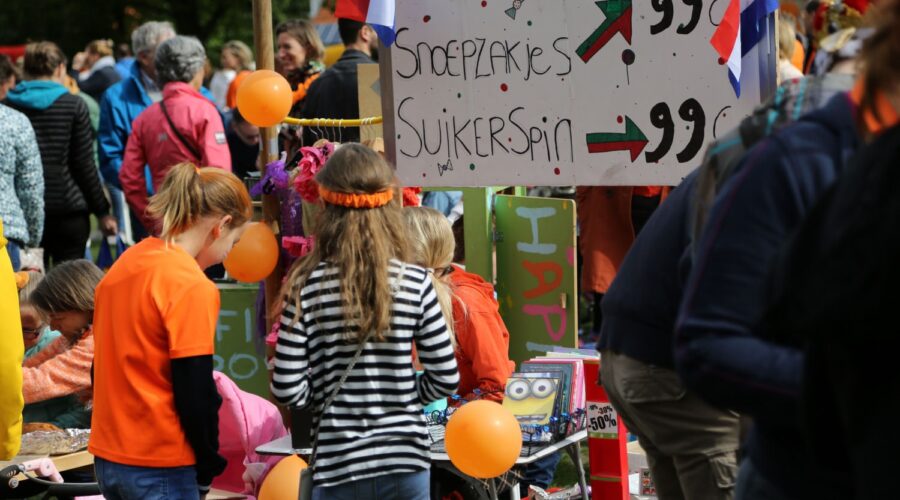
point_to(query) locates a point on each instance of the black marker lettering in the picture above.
(564, 54)
(466, 55)
(494, 133)
(411, 126)
(406, 49)
(456, 139)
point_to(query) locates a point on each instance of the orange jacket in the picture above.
(605, 232)
(482, 350)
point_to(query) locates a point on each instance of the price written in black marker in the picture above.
(667, 9)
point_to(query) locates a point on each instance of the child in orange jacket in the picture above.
(482, 340)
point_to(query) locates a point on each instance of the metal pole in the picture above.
(265, 59)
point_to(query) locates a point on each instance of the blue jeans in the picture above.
(128, 482)
(12, 248)
(399, 486)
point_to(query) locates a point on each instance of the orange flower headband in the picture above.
(351, 200)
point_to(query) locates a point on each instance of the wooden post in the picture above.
(268, 139)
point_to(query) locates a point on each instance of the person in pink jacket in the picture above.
(183, 127)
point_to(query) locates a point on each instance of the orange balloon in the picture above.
(483, 439)
(264, 98)
(283, 481)
(255, 255)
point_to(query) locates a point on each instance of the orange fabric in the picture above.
(799, 55)
(605, 232)
(353, 200)
(648, 191)
(303, 88)
(154, 305)
(231, 95)
(887, 113)
(58, 370)
(482, 351)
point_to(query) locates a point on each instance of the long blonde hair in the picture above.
(359, 242)
(432, 245)
(189, 193)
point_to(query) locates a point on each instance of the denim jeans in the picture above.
(399, 486)
(13, 249)
(128, 482)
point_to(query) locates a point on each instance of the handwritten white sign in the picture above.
(515, 92)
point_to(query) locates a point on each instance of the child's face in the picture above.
(32, 325)
(71, 324)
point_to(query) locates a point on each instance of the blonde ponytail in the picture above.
(189, 193)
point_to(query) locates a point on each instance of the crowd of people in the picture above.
(732, 312)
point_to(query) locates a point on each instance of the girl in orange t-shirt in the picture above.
(155, 422)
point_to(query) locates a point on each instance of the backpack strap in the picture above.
(190, 147)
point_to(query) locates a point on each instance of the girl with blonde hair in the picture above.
(155, 400)
(353, 309)
(482, 340)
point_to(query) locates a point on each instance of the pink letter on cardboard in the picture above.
(546, 311)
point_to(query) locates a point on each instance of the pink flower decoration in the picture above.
(312, 162)
(297, 246)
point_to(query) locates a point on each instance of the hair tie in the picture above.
(352, 200)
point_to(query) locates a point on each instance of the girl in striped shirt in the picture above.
(357, 287)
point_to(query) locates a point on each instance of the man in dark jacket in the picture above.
(691, 445)
(65, 139)
(335, 93)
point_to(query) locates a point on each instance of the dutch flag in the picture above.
(742, 27)
(377, 13)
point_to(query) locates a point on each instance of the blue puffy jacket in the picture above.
(120, 105)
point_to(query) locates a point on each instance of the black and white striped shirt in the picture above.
(375, 425)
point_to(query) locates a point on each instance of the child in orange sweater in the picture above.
(482, 340)
(63, 367)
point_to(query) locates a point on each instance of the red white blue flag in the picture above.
(742, 27)
(377, 13)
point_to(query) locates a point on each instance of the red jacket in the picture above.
(482, 351)
(152, 143)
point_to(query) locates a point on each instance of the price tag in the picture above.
(602, 420)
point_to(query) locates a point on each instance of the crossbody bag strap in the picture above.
(359, 349)
(190, 147)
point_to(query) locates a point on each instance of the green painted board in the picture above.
(240, 352)
(536, 273)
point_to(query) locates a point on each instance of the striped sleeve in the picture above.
(441, 377)
(290, 380)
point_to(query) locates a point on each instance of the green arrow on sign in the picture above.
(632, 140)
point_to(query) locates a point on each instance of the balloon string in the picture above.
(332, 122)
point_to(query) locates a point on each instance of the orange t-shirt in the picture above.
(154, 305)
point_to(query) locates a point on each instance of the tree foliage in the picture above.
(74, 23)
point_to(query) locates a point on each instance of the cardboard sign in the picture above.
(239, 350)
(564, 92)
(536, 284)
(602, 420)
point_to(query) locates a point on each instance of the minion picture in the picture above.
(531, 397)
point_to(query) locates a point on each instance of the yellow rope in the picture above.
(333, 122)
